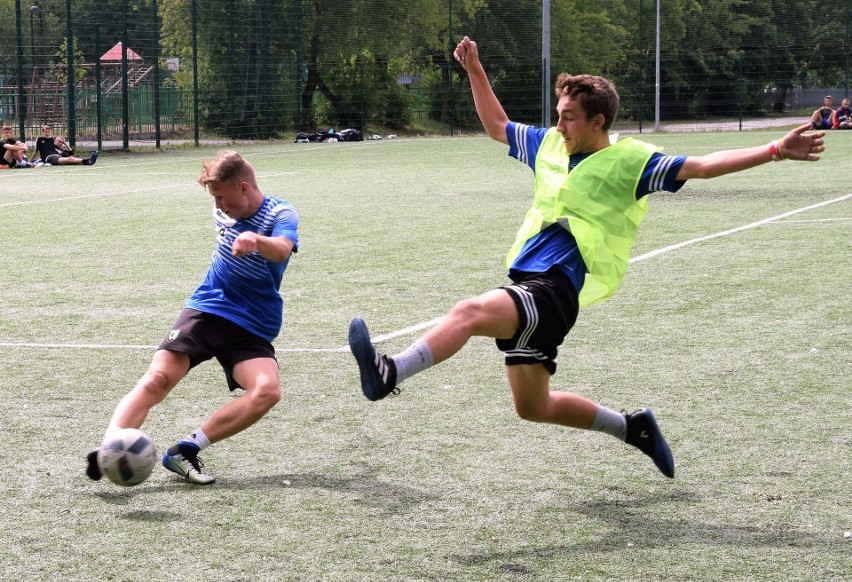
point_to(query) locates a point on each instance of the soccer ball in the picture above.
(127, 456)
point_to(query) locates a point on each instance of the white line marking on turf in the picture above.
(686, 243)
(428, 324)
(77, 346)
(82, 196)
(814, 220)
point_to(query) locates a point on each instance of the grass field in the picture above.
(741, 344)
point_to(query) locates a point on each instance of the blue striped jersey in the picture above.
(245, 289)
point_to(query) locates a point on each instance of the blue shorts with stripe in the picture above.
(547, 309)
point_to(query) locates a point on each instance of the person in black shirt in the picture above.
(55, 150)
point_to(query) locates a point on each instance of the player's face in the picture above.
(828, 101)
(45, 131)
(230, 197)
(579, 133)
(845, 103)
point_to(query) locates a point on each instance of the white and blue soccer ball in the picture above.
(127, 456)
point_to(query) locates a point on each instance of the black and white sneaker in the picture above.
(644, 434)
(378, 372)
(93, 470)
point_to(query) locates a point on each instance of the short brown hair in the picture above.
(7, 127)
(227, 165)
(595, 94)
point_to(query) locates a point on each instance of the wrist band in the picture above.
(780, 151)
(775, 151)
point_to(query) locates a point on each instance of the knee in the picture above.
(264, 397)
(466, 312)
(154, 386)
(531, 411)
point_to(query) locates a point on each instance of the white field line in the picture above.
(124, 192)
(735, 230)
(428, 324)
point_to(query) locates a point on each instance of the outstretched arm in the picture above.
(793, 146)
(490, 112)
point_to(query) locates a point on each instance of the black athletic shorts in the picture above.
(547, 309)
(203, 336)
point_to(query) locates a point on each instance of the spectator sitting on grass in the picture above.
(842, 117)
(821, 118)
(55, 150)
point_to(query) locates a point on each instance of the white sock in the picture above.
(197, 438)
(610, 422)
(416, 358)
(110, 430)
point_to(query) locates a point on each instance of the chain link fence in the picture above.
(154, 71)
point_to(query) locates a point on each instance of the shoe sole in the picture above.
(662, 453)
(365, 355)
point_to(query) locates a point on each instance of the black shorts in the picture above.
(203, 336)
(547, 309)
(52, 159)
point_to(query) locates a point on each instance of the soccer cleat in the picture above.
(644, 434)
(93, 470)
(93, 158)
(188, 466)
(378, 372)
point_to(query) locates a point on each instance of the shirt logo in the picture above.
(173, 334)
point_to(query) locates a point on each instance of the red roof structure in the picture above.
(114, 54)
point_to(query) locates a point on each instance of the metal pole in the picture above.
(22, 109)
(71, 113)
(125, 86)
(195, 68)
(363, 102)
(32, 36)
(545, 61)
(641, 69)
(32, 106)
(156, 84)
(99, 105)
(657, 81)
(451, 111)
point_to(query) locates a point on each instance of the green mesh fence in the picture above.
(151, 71)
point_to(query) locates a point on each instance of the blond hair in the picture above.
(227, 165)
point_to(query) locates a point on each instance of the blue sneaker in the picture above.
(179, 460)
(378, 372)
(93, 158)
(644, 434)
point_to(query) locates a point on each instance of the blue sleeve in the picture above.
(287, 225)
(524, 141)
(660, 173)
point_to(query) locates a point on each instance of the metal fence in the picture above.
(144, 73)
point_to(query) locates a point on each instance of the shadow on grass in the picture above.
(641, 522)
(363, 488)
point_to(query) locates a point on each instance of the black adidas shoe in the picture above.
(378, 372)
(93, 470)
(644, 434)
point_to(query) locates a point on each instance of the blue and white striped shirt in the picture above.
(245, 289)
